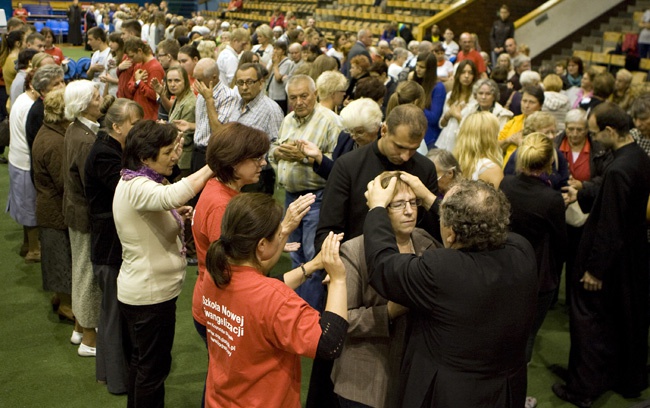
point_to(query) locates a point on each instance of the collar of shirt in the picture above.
(229, 48)
(305, 119)
(94, 126)
(245, 107)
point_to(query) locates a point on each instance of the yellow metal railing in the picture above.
(537, 12)
(423, 26)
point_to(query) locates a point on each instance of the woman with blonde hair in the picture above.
(48, 170)
(555, 102)
(322, 64)
(264, 48)
(537, 213)
(206, 48)
(545, 123)
(331, 87)
(477, 150)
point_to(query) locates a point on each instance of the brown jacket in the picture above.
(78, 141)
(368, 369)
(47, 165)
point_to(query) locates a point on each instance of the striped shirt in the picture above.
(261, 113)
(225, 101)
(319, 128)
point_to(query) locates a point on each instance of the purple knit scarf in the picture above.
(147, 172)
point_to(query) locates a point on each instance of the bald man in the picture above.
(467, 51)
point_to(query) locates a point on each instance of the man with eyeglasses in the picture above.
(609, 305)
(260, 112)
(209, 116)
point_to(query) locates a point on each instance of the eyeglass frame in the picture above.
(401, 205)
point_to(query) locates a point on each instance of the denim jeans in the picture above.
(312, 291)
(306, 231)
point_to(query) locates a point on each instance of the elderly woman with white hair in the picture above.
(526, 78)
(485, 98)
(361, 120)
(82, 107)
(331, 87)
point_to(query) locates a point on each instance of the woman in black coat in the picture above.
(102, 172)
(538, 215)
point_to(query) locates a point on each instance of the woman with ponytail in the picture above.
(12, 43)
(259, 327)
(538, 215)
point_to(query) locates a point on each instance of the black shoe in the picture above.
(192, 261)
(562, 393)
(3, 160)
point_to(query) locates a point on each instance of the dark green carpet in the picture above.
(40, 368)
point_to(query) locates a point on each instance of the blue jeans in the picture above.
(312, 291)
(306, 231)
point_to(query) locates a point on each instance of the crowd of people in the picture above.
(433, 196)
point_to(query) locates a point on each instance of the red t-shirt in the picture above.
(56, 53)
(476, 58)
(143, 94)
(21, 13)
(206, 228)
(257, 328)
(123, 78)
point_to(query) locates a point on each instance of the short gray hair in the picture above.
(576, 115)
(44, 75)
(77, 97)
(299, 78)
(530, 78)
(400, 52)
(494, 88)
(362, 112)
(641, 106)
(478, 214)
(520, 59)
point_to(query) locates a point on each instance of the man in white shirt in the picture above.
(99, 59)
(228, 59)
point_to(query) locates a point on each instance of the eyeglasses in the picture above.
(401, 205)
(258, 160)
(355, 132)
(248, 82)
(445, 172)
(163, 55)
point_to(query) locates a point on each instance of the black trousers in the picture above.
(148, 340)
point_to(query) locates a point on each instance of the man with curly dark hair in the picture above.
(471, 304)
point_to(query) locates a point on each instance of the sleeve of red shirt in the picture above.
(296, 327)
(155, 70)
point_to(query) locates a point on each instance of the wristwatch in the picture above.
(305, 160)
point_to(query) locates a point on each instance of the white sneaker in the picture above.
(86, 351)
(76, 337)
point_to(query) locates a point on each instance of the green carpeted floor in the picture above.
(40, 368)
